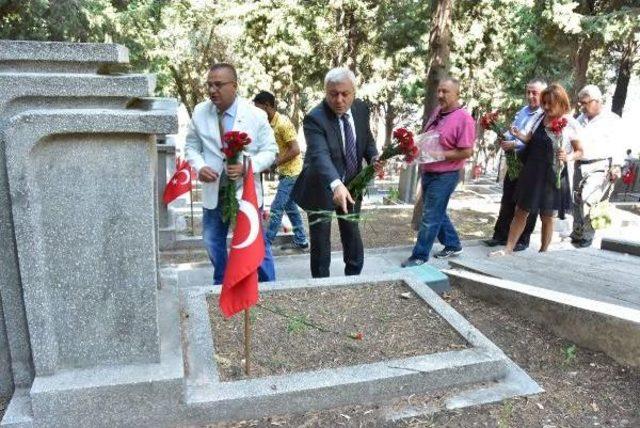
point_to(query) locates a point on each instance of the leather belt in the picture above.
(587, 162)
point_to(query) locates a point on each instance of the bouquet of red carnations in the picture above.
(233, 142)
(556, 126)
(402, 144)
(491, 122)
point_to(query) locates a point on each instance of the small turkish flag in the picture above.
(240, 283)
(180, 182)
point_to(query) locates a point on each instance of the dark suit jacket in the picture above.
(325, 159)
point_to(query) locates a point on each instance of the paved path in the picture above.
(590, 273)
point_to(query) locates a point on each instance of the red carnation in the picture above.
(233, 142)
(403, 144)
(558, 124)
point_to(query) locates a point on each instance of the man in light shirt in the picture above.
(225, 111)
(524, 120)
(603, 156)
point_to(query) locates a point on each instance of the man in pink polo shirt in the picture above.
(457, 133)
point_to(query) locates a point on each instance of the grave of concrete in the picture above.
(80, 294)
(91, 333)
(484, 371)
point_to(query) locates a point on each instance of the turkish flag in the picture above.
(240, 282)
(180, 182)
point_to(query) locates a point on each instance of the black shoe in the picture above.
(493, 242)
(447, 252)
(520, 247)
(412, 262)
(293, 246)
(584, 243)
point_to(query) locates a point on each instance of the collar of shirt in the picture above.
(274, 119)
(524, 120)
(603, 115)
(531, 112)
(229, 116)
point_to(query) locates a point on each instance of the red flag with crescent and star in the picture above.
(180, 182)
(240, 283)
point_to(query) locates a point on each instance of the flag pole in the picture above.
(247, 342)
(247, 320)
(193, 231)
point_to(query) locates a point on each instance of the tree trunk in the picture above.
(182, 92)
(581, 66)
(352, 40)
(439, 50)
(337, 57)
(437, 69)
(296, 109)
(389, 118)
(624, 75)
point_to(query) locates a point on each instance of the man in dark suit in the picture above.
(338, 138)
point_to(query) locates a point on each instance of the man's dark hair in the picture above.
(230, 67)
(266, 98)
(628, 151)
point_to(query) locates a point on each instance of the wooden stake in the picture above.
(247, 342)
(193, 231)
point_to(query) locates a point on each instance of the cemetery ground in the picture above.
(582, 388)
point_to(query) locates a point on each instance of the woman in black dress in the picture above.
(537, 189)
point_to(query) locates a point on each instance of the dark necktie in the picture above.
(351, 155)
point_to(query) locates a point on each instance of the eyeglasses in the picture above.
(218, 85)
(584, 103)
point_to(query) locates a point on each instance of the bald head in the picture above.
(454, 83)
(534, 91)
(449, 93)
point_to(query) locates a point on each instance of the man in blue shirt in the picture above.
(525, 119)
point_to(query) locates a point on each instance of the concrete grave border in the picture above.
(602, 326)
(209, 400)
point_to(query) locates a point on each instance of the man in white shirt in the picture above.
(601, 161)
(225, 111)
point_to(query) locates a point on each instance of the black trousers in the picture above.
(507, 209)
(320, 240)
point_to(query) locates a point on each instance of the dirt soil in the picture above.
(313, 329)
(583, 388)
(4, 402)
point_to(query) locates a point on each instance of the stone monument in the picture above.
(83, 312)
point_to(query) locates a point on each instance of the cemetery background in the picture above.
(583, 387)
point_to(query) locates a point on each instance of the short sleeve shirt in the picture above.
(601, 137)
(457, 131)
(285, 133)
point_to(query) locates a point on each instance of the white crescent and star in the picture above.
(254, 223)
(187, 176)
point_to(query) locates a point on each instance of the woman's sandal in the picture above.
(499, 253)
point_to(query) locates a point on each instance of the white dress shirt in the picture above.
(602, 137)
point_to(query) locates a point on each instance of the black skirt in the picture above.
(536, 190)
